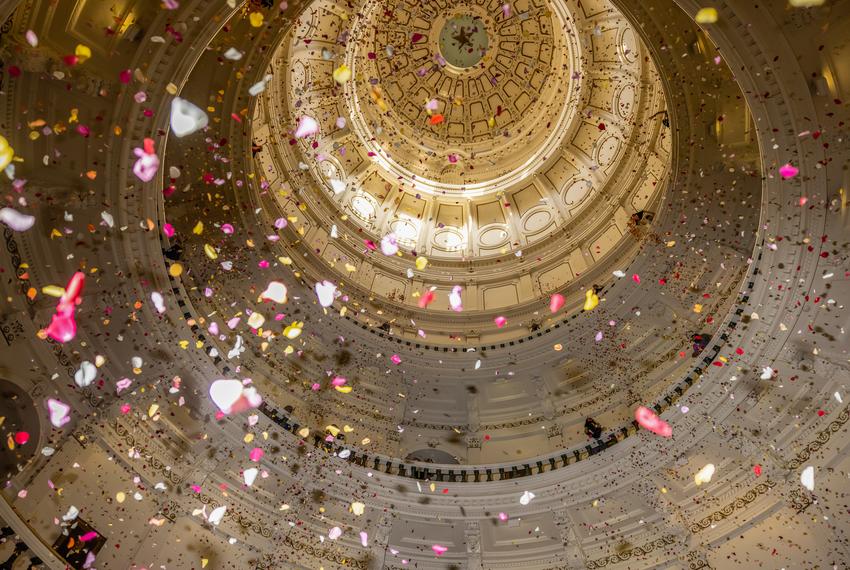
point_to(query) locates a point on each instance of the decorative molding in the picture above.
(11, 330)
(738, 504)
(632, 552)
(585, 403)
(325, 554)
(169, 510)
(799, 500)
(820, 439)
(17, 260)
(697, 561)
(66, 363)
(154, 462)
(247, 523)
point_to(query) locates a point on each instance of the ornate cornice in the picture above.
(325, 554)
(820, 439)
(631, 553)
(738, 504)
(152, 460)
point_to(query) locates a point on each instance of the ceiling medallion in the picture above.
(464, 41)
(461, 100)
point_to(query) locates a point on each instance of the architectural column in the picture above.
(573, 556)
(472, 534)
(379, 539)
(547, 408)
(473, 448)
(473, 438)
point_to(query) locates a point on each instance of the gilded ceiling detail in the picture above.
(525, 162)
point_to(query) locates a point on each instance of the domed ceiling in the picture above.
(578, 208)
(388, 285)
(512, 175)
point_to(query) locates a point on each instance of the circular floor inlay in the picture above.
(463, 41)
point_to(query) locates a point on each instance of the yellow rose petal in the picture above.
(342, 74)
(706, 16)
(590, 300)
(83, 52)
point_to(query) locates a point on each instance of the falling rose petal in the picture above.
(32, 39)
(256, 454)
(757, 470)
(787, 171)
(455, 300)
(704, 475)
(503, 517)
(389, 244)
(85, 375)
(426, 298)
(636, 278)
(89, 536)
(556, 302)
(158, 302)
(307, 126)
(217, 515)
(325, 291)
(22, 437)
(364, 539)
(147, 162)
(59, 412)
(335, 533)
(186, 118)
(232, 54)
(275, 291)
(706, 16)
(591, 300)
(7, 153)
(807, 478)
(342, 74)
(15, 220)
(231, 396)
(598, 336)
(649, 420)
(396, 359)
(122, 384)
(338, 381)
(63, 326)
(500, 321)
(293, 330)
(439, 549)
